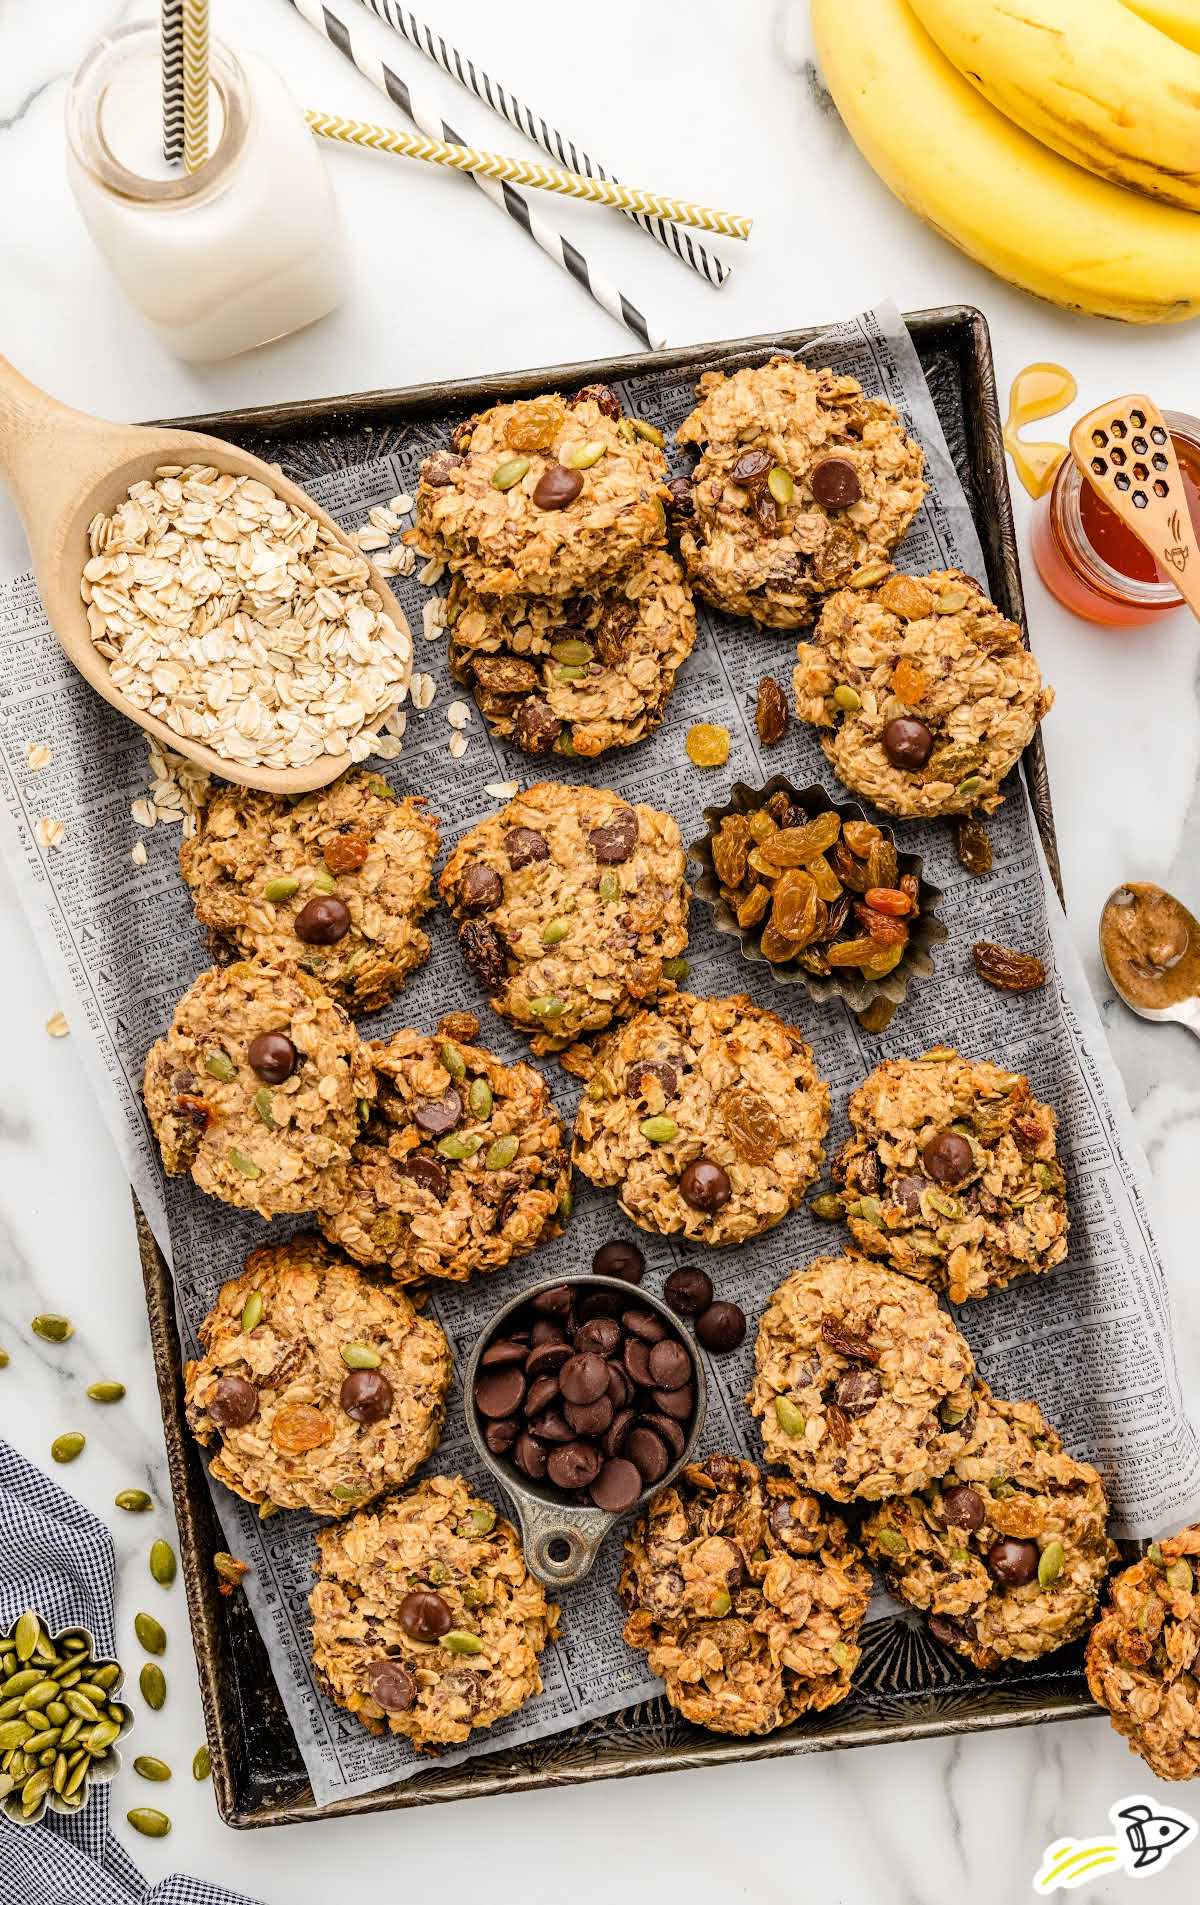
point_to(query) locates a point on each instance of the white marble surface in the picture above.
(715, 100)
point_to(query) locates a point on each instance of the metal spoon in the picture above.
(1150, 945)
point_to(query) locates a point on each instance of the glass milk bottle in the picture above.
(247, 248)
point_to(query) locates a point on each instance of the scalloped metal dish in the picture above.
(907, 1686)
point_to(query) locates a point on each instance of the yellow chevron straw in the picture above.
(492, 165)
(195, 84)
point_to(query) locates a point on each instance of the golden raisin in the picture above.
(754, 905)
(860, 836)
(299, 1427)
(903, 595)
(346, 852)
(882, 865)
(851, 952)
(535, 425)
(794, 846)
(775, 947)
(794, 908)
(909, 684)
(729, 849)
(883, 929)
(889, 899)
(972, 845)
(707, 744)
(750, 1124)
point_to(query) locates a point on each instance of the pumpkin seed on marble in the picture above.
(65, 1448)
(106, 1392)
(147, 1767)
(201, 1763)
(135, 1501)
(151, 1823)
(153, 1683)
(162, 1562)
(52, 1328)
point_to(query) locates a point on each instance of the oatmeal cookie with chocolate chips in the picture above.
(923, 694)
(336, 881)
(1007, 1551)
(425, 1620)
(952, 1174)
(746, 1595)
(572, 909)
(460, 1167)
(804, 485)
(580, 675)
(543, 497)
(1143, 1656)
(864, 1388)
(707, 1115)
(258, 1088)
(321, 1388)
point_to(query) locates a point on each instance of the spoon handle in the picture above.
(1188, 1013)
(33, 427)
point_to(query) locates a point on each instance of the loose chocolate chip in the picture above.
(674, 1402)
(834, 482)
(323, 921)
(613, 843)
(438, 1115)
(552, 1426)
(857, 1392)
(480, 888)
(688, 1290)
(546, 1358)
(619, 1386)
(601, 1333)
(437, 471)
(557, 486)
(682, 503)
(963, 1506)
(366, 1395)
(584, 1377)
(948, 1157)
(543, 1390)
(1013, 1562)
(617, 1486)
(705, 1186)
(530, 1457)
(507, 1350)
(651, 1068)
(273, 1056)
(234, 1404)
(907, 742)
(555, 1301)
(648, 1453)
(483, 950)
(751, 468)
(636, 1356)
(536, 727)
(619, 1259)
(546, 1330)
(524, 845)
(599, 1303)
(500, 1436)
(589, 1418)
(670, 1364)
(603, 396)
(721, 1327)
(393, 1686)
(574, 1465)
(429, 1174)
(669, 1430)
(618, 1429)
(646, 1324)
(424, 1615)
(500, 1391)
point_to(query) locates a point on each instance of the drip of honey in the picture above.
(1040, 390)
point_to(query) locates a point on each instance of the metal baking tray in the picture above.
(907, 1687)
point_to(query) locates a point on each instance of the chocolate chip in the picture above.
(669, 1430)
(857, 1392)
(947, 1157)
(557, 486)
(552, 1426)
(654, 1069)
(590, 1418)
(678, 1403)
(907, 1192)
(619, 1259)
(437, 471)
(556, 1301)
(480, 888)
(501, 1435)
(584, 1377)
(601, 1333)
(393, 1687)
(574, 1465)
(273, 1056)
(670, 1364)
(619, 1386)
(536, 727)
(688, 1290)
(424, 1615)
(546, 1358)
(1013, 1562)
(530, 1457)
(234, 1404)
(682, 503)
(599, 1303)
(751, 468)
(646, 1324)
(438, 1115)
(613, 843)
(500, 1391)
(546, 1330)
(429, 1174)
(907, 742)
(649, 1454)
(950, 1632)
(323, 921)
(705, 1186)
(618, 1429)
(366, 1395)
(636, 1357)
(834, 482)
(506, 1350)
(721, 1327)
(963, 1506)
(484, 951)
(543, 1390)
(603, 396)
(617, 1486)
(524, 846)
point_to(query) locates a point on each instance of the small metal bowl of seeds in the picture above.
(819, 894)
(60, 1720)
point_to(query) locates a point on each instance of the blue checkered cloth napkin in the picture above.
(57, 1558)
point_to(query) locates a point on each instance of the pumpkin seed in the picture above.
(1179, 1575)
(20, 1683)
(581, 456)
(1044, 1176)
(380, 789)
(252, 1310)
(75, 1777)
(547, 1006)
(264, 1106)
(13, 1733)
(790, 1416)
(481, 1520)
(842, 1654)
(147, 1767)
(65, 1448)
(28, 1633)
(323, 882)
(162, 1562)
(343, 1493)
(58, 1713)
(151, 1823)
(35, 1789)
(1000, 1489)
(243, 1163)
(554, 933)
(458, 1641)
(566, 1204)
(510, 472)
(106, 1391)
(847, 698)
(479, 1098)
(453, 1060)
(578, 652)
(107, 1676)
(610, 887)
(81, 1706)
(967, 789)
(281, 888)
(52, 1329)
(941, 1205)
(501, 1153)
(153, 1683)
(868, 1210)
(828, 1207)
(676, 970)
(201, 1763)
(649, 432)
(892, 1541)
(1154, 1555)
(458, 1148)
(565, 745)
(360, 1356)
(659, 1130)
(134, 1501)
(721, 1603)
(151, 1633)
(951, 1414)
(220, 1065)
(780, 484)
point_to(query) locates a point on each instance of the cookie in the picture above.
(1007, 1551)
(1143, 1656)
(922, 693)
(746, 1595)
(804, 485)
(707, 1115)
(578, 675)
(336, 881)
(321, 1388)
(425, 1621)
(256, 1089)
(572, 909)
(952, 1174)
(461, 1165)
(864, 1388)
(547, 496)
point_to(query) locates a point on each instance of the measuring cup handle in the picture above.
(560, 1542)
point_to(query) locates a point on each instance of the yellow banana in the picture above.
(1178, 19)
(1086, 77)
(999, 195)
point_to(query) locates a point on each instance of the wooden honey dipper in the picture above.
(1124, 451)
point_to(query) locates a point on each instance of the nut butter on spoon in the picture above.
(1150, 945)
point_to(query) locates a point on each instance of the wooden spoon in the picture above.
(1124, 450)
(62, 467)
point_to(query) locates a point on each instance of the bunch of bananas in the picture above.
(1055, 141)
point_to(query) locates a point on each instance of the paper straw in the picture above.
(688, 250)
(566, 255)
(172, 79)
(493, 165)
(195, 84)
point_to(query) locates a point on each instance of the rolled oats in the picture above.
(38, 756)
(50, 832)
(1143, 1653)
